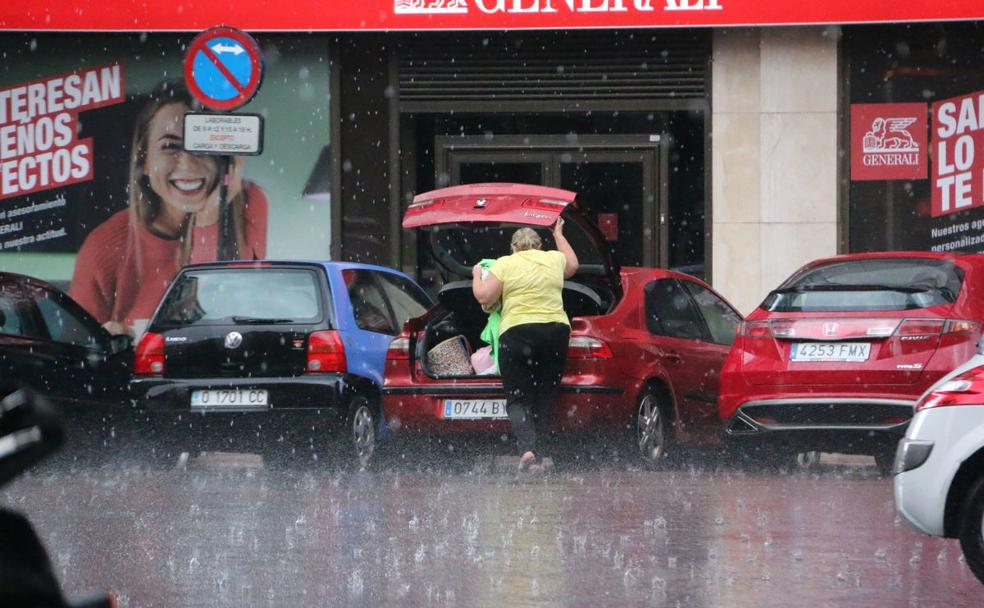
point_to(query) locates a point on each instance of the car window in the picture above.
(65, 323)
(231, 295)
(368, 302)
(868, 284)
(722, 321)
(670, 312)
(406, 299)
(17, 312)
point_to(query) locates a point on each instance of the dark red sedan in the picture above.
(646, 344)
(835, 358)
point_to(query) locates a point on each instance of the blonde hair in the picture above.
(145, 205)
(525, 238)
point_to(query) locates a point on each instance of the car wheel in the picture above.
(362, 432)
(651, 429)
(972, 529)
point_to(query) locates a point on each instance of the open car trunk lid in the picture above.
(465, 224)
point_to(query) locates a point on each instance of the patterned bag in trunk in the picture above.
(452, 357)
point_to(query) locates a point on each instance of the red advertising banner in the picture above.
(888, 141)
(39, 148)
(341, 15)
(958, 154)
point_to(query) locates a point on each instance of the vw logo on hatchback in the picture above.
(233, 339)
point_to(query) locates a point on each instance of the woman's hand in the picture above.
(118, 329)
(570, 258)
(558, 228)
(487, 289)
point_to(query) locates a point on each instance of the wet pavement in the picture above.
(230, 531)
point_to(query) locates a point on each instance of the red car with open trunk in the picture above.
(646, 344)
(835, 357)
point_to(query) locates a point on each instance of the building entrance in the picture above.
(620, 180)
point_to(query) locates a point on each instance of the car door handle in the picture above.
(673, 357)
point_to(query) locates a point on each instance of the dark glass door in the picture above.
(617, 179)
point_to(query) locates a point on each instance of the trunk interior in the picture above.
(462, 315)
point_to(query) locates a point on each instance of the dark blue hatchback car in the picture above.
(271, 354)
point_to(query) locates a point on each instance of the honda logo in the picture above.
(233, 339)
(830, 329)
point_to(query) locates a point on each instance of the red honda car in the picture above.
(835, 358)
(646, 344)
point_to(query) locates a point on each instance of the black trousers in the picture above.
(532, 358)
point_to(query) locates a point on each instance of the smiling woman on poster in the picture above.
(127, 262)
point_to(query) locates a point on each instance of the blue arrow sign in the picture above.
(223, 68)
(210, 78)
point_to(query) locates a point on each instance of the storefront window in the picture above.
(922, 64)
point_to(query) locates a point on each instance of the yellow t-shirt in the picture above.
(532, 284)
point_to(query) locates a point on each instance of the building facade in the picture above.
(731, 141)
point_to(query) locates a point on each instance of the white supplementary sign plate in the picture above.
(474, 409)
(229, 398)
(227, 134)
(830, 351)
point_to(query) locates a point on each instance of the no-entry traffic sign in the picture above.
(223, 68)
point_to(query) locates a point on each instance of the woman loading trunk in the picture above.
(533, 332)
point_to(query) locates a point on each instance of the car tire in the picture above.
(361, 432)
(972, 529)
(651, 429)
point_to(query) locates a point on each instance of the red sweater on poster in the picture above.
(122, 271)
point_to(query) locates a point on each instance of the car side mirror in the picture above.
(120, 343)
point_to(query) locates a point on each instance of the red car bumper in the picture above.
(578, 408)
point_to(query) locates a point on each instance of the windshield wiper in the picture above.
(259, 320)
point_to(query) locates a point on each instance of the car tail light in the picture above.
(149, 355)
(964, 389)
(920, 327)
(767, 329)
(325, 352)
(954, 326)
(399, 349)
(587, 347)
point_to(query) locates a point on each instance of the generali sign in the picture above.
(888, 141)
(353, 15)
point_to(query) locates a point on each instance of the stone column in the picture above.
(774, 151)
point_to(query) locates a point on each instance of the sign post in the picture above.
(223, 69)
